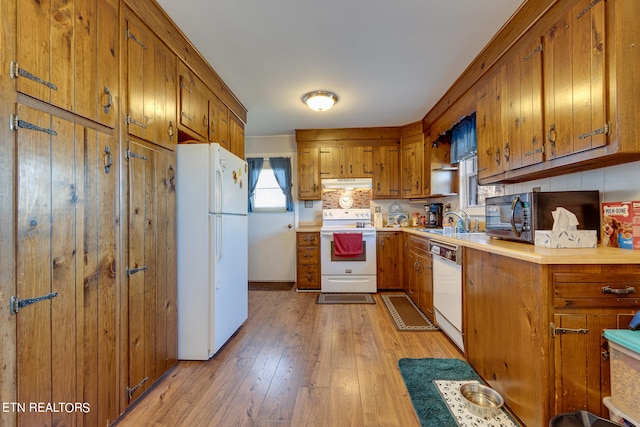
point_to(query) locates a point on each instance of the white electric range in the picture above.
(353, 274)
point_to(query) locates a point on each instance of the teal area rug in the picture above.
(418, 375)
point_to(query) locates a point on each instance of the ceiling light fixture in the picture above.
(320, 100)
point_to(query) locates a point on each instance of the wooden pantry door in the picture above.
(47, 194)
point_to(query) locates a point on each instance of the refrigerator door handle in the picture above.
(218, 233)
(218, 196)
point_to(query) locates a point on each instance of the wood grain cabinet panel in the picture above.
(67, 259)
(308, 260)
(534, 331)
(194, 105)
(151, 273)
(389, 259)
(575, 80)
(219, 123)
(348, 161)
(309, 173)
(67, 55)
(151, 87)
(386, 171)
(412, 163)
(419, 280)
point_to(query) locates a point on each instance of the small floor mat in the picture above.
(405, 314)
(345, 299)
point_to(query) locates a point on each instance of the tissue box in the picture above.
(566, 238)
(621, 224)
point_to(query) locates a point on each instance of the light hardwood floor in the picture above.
(296, 363)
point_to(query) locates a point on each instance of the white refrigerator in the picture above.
(212, 248)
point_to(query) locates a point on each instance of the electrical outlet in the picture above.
(308, 203)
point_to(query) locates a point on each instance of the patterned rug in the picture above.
(405, 314)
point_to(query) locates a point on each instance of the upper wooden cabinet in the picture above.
(386, 171)
(219, 122)
(194, 105)
(575, 80)
(346, 161)
(236, 136)
(563, 97)
(151, 86)
(412, 161)
(309, 173)
(67, 55)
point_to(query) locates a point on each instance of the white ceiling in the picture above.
(389, 61)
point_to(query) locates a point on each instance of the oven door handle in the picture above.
(331, 233)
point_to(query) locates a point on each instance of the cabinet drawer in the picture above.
(308, 255)
(596, 290)
(419, 245)
(308, 276)
(308, 239)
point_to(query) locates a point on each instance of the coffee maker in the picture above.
(434, 215)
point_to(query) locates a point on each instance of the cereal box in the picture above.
(621, 224)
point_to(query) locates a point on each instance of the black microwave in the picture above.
(517, 216)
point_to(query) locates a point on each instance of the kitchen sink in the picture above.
(430, 230)
(440, 231)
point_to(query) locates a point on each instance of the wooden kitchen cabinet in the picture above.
(412, 164)
(150, 313)
(586, 302)
(194, 105)
(151, 86)
(67, 259)
(509, 115)
(308, 260)
(419, 274)
(389, 259)
(346, 161)
(491, 126)
(67, 55)
(219, 123)
(236, 136)
(386, 171)
(309, 187)
(513, 314)
(575, 80)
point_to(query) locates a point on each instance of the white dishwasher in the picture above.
(447, 289)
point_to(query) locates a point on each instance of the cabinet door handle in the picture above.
(109, 104)
(170, 131)
(626, 290)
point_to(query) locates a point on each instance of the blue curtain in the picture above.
(255, 167)
(282, 170)
(463, 139)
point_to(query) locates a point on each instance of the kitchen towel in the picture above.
(347, 245)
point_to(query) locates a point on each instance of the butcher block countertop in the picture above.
(536, 254)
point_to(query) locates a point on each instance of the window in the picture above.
(473, 195)
(268, 197)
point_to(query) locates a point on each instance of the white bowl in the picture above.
(481, 400)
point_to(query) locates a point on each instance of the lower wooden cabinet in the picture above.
(67, 269)
(419, 279)
(389, 259)
(308, 260)
(150, 313)
(534, 331)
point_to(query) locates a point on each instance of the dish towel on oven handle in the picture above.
(347, 245)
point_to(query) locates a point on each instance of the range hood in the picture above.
(347, 183)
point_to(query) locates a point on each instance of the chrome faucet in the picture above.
(466, 224)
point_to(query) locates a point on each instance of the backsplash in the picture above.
(361, 198)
